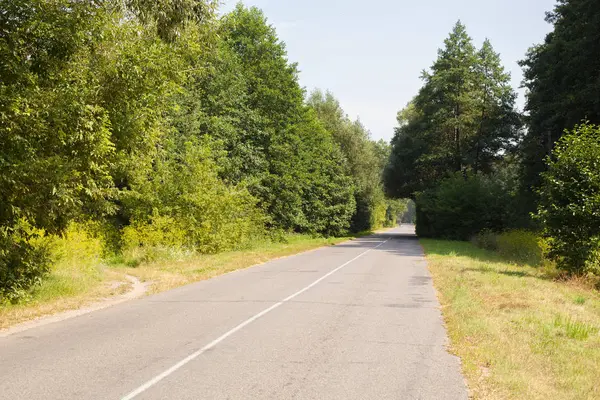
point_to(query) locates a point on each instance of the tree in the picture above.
(55, 143)
(463, 118)
(498, 122)
(272, 81)
(562, 76)
(364, 160)
(308, 188)
(569, 206)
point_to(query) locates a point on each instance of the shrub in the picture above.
(463, 205)
(521, 246)
(569, 206)
(186, 206)
(24, 260)
(158, 238)
(486, 239)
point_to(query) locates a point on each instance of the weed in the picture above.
(574, 329)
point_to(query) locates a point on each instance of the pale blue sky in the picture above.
(370, 54)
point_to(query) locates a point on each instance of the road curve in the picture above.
(358, 320)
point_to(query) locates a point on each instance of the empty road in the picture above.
(355, 321)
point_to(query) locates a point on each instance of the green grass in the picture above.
(520, 333)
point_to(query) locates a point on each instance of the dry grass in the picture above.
(82, 278)
(521, 334)
(50, 298)
(165, 275)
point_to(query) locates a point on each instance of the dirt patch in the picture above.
(137, 289)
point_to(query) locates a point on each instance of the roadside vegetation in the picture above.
(136, 133)
(523, 331)
(508, 206)
(84, 276)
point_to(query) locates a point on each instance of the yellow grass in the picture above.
(81, 277)
(520, 333)
(164, 275)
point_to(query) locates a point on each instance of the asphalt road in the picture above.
(355, 321)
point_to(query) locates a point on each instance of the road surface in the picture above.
(355, 321)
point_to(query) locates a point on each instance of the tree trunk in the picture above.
(480, 132)
(457, 156)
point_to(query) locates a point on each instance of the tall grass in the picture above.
(518, 246)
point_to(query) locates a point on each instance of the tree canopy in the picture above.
(162, 124)
(562, 77)
(463, 118)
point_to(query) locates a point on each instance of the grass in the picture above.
(81, 277)
(165, 274)
(521, 333)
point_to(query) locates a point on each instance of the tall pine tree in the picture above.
(462, 119)
(562, 76)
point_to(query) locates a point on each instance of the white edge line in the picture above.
(218, 340)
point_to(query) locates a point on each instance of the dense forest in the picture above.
(164, 124)
(479, 169)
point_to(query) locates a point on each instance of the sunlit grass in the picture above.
(520, 333)
(81, 276)
(169, 273)
(76, 278)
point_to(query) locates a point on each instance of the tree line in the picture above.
(474, 163)
(161, 123)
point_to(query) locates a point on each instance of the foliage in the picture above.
(395, 209)
(364, 160)
(570, 200)
(164, 129)
(190, 206)
(54, 140)
(24, 260)
(462, 119)
(461, 206)
(562, 76)
(309, 190)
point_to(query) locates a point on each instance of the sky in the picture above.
(370, 54)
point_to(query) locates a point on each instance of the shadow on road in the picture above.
(400, 242)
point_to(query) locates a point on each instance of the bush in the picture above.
(569, 206)
(521, 246)
(24, 260)
(159, 238)
(486, 239)
(463, 205)
(185, 206)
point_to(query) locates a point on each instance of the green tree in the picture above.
(569, 206)
(498, 122)
(310, 191)
(272, 81)
(364, 160)
(461, 206)
(463, 118)
(55, 142)
(562, 76)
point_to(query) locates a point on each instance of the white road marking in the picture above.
(218, 340)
